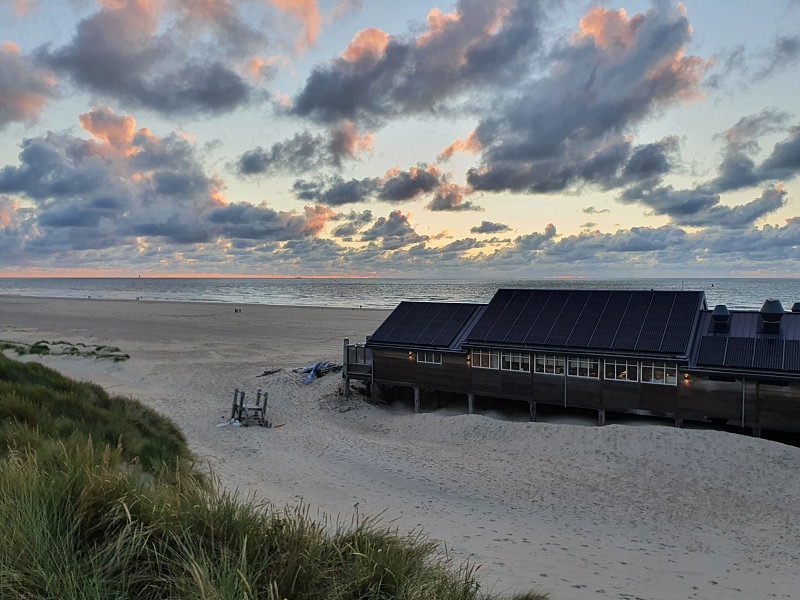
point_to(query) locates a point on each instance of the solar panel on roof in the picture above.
(565, 322)
(608, 324)
(654, 323)
(588, 318)
(712, 351)
(544, 322)
(740, 352)
(632, 321)
(493, 311)
(528, 315)
(679, 326)
(768, 354)
(791, 355)
(434, 324)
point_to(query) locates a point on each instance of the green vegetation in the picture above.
(60, 348)
(98, 502)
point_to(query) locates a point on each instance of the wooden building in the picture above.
(657, 353)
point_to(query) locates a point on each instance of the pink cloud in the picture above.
(346, 140)
(367, 43)
(306, 11)
(437, 22)
(611, 30)
(24, 86)
(469, 144)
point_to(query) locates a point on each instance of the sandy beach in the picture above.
(622, 511)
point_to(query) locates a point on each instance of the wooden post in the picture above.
(757, 432)
(235, 407)
(601, 418)
(678, 423)
(532, 410)
(416, 400)
(346, 387)
(471, 403)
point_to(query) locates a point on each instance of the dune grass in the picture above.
(98, 502)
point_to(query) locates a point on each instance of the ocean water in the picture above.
(380, 293)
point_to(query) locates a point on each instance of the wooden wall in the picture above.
(700, 397)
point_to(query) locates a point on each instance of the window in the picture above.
(622, 370)
(485, 359)
(434, 358)
(584, 367)
(514, 361)
(548, 363)
(660, 373)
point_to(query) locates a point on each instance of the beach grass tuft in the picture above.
(99, 500)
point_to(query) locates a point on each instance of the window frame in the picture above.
(663, 368)
(550, 364)
(522, 359)
(423, 357)
(480, 356)
(626, 365)
(583, 367)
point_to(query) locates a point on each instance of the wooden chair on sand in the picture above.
(250, 414)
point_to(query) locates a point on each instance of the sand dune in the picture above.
(582, 512)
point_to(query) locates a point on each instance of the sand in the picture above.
(578, 511)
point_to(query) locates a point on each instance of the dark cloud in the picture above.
(336, 191)
(353, 223)
(701, 207)
(591, 210)
(450, 197)
(490, 227)
(120, 53)
(480, 43)
(306, 152)
(570, 126)
(784, 53)
(394, 186)
(393, 232)
(406, 185)
(25, 86)
(125, 186)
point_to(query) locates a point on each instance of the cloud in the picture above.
(571, 125)
(307, 12)
(121, 53)
(124, 184)
(450, 197)
(393, 232)
(700, 207)
(784, 53)
(353, 223)
(490, 227)
(395, 186)
(468, 144)
(591, 210)
(377, 78)
(25, 86)
(306, 152)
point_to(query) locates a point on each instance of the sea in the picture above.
(738, 293)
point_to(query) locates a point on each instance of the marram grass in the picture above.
(98, 502)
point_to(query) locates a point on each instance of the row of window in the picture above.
(620, 370)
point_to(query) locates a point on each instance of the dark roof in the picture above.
(654, 322)
(438, 325)
(745, 344)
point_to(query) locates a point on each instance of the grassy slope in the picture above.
(97, 502)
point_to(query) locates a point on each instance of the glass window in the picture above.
(622, 370)
(485, 359)
(434, 358)
(515, 361)
(583, 366)
(548, 363)
(660, 373)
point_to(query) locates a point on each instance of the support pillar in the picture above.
(532, 410)
(471, 404)
(601, 418)
(757, 432)
(346, 387)
(679, 423)
(416, 400)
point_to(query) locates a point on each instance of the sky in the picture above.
(368, 138)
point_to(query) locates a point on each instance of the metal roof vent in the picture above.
(796, 307)
(771, 313)
(722, 318)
